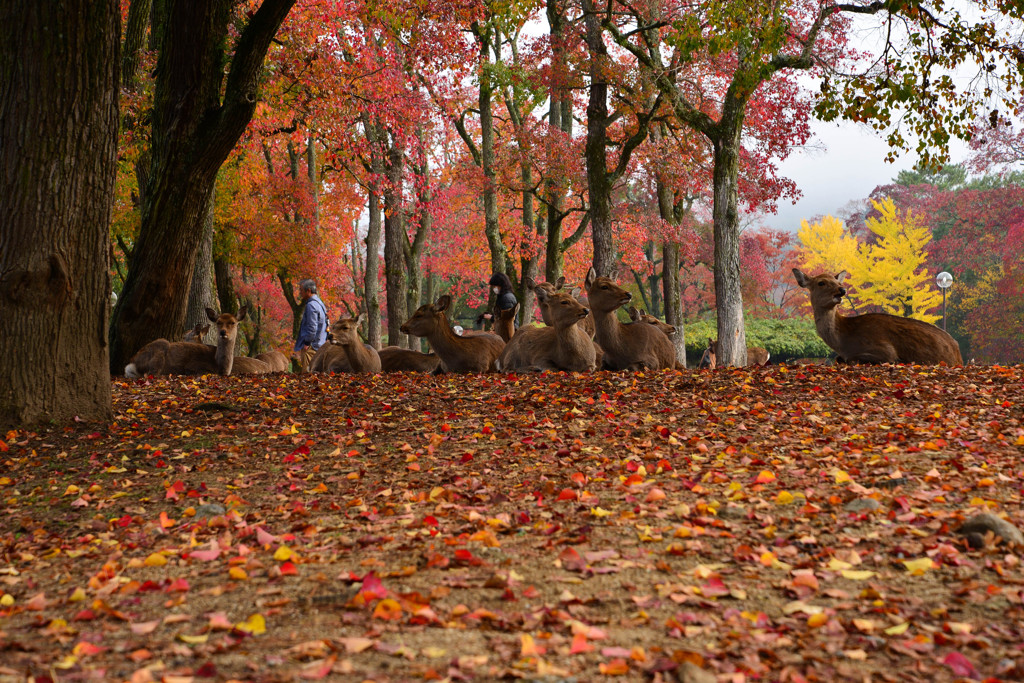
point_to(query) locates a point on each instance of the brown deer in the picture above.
(562, 346)
(277, 361)
(359, 357)
(475, 353)
(397, 359)
(755, 355)
(638, 316)
(542, 290)
(505, 323)
(197, 333)
(874, 337)
(162, 357)
(625, 347)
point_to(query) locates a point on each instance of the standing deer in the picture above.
(874, 337)
(626, 347)
(475, 353)
(563, 346)
(755, 355)
(162, 357)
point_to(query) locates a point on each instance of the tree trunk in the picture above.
(560, 118)
(414, 250)
(732, 346)
(673, 297)
(395, 243)
(201, 293)
(599, 184)
(58, 122)
(492, 229)
(134, 38)
(371, 282)
(226, 296)
(195, 127)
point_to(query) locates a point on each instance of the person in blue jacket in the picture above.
(313, 328)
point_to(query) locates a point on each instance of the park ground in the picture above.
(774, 524)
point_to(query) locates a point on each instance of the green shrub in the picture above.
(784, 339)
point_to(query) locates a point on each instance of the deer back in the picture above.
(625, 347)
(475, 353)
(244, 365)
(397, 359)
(162, 357)
(277, 361)
(874, 337)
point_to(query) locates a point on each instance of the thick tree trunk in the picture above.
(673, 297)
(134, 38)
(395, 244)
(227, 298)
(732, 346)
(599, 185)
(58, 122)
(195, 127)
(371, 282)
(201, 293)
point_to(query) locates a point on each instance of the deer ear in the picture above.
(801, 279)
(211, 314)
(841, 275)
(560, 282)
(241, 313)
(360, 318)
(203, 330)
(634, 314)
(442, 303)
(591, 276)
(575, 291)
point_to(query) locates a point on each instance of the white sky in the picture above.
(850, 166)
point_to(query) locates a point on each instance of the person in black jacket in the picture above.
(505, 297)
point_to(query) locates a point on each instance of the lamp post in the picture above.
(943, 280)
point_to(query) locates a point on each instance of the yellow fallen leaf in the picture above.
(765, 477)
(155, 560)
(857, 574)
(238, 574)
(77, 596)
(283, 553)
(841, 477)
(919, 566)
(66, 663)
(784, 498)
(897, 629)
(254, 625)
(6, 600)
(816, 620)
(193, 640)
(600, 512)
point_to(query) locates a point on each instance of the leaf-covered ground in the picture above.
(781, 524)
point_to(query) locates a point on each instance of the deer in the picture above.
(277, 361)
(162, 357)
(638, 316)
(397, 359)
(874, 337)
(197, 333)
(562, 346)
(359, 357)
(542, 290)
(755, 355)
(475, 353)
(625, 347)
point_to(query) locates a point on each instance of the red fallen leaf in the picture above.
(287, 568)
(36, 603)
(571, 560)
(263, 538)
(714, 588)
(463, 556)
(961, 666)
(85, 649)
(567, 494)
(178, 586)
(84, 615)
(318, 670)
(430, 520)
(437, 561)
(207, 670)
(144, 627)
(616, 667)
(372, 587)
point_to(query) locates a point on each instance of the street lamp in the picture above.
(943, 280)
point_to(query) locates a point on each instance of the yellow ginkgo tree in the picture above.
(890, 273)
(826, 247)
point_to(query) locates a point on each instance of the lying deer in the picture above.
(162, 357)
(277, 361)
(475, 353)
(638, 316)
(542, 290)
(626, 347)
(197, 333)
(359, 357)
(874, 337)
(755, 355)
(397, 359)
(563, 346)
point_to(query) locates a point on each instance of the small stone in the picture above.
(209, 510)
(862, 505)
(986, 522)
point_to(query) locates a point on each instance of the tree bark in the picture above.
(732, 346)
(395, 243)
(599, 183)
(201, 292)
(58, 122)
(226, 296)
(134, 38)
(492, 228)
(195, 127)
(371, 282)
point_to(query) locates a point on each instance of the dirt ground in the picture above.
(775, 524)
